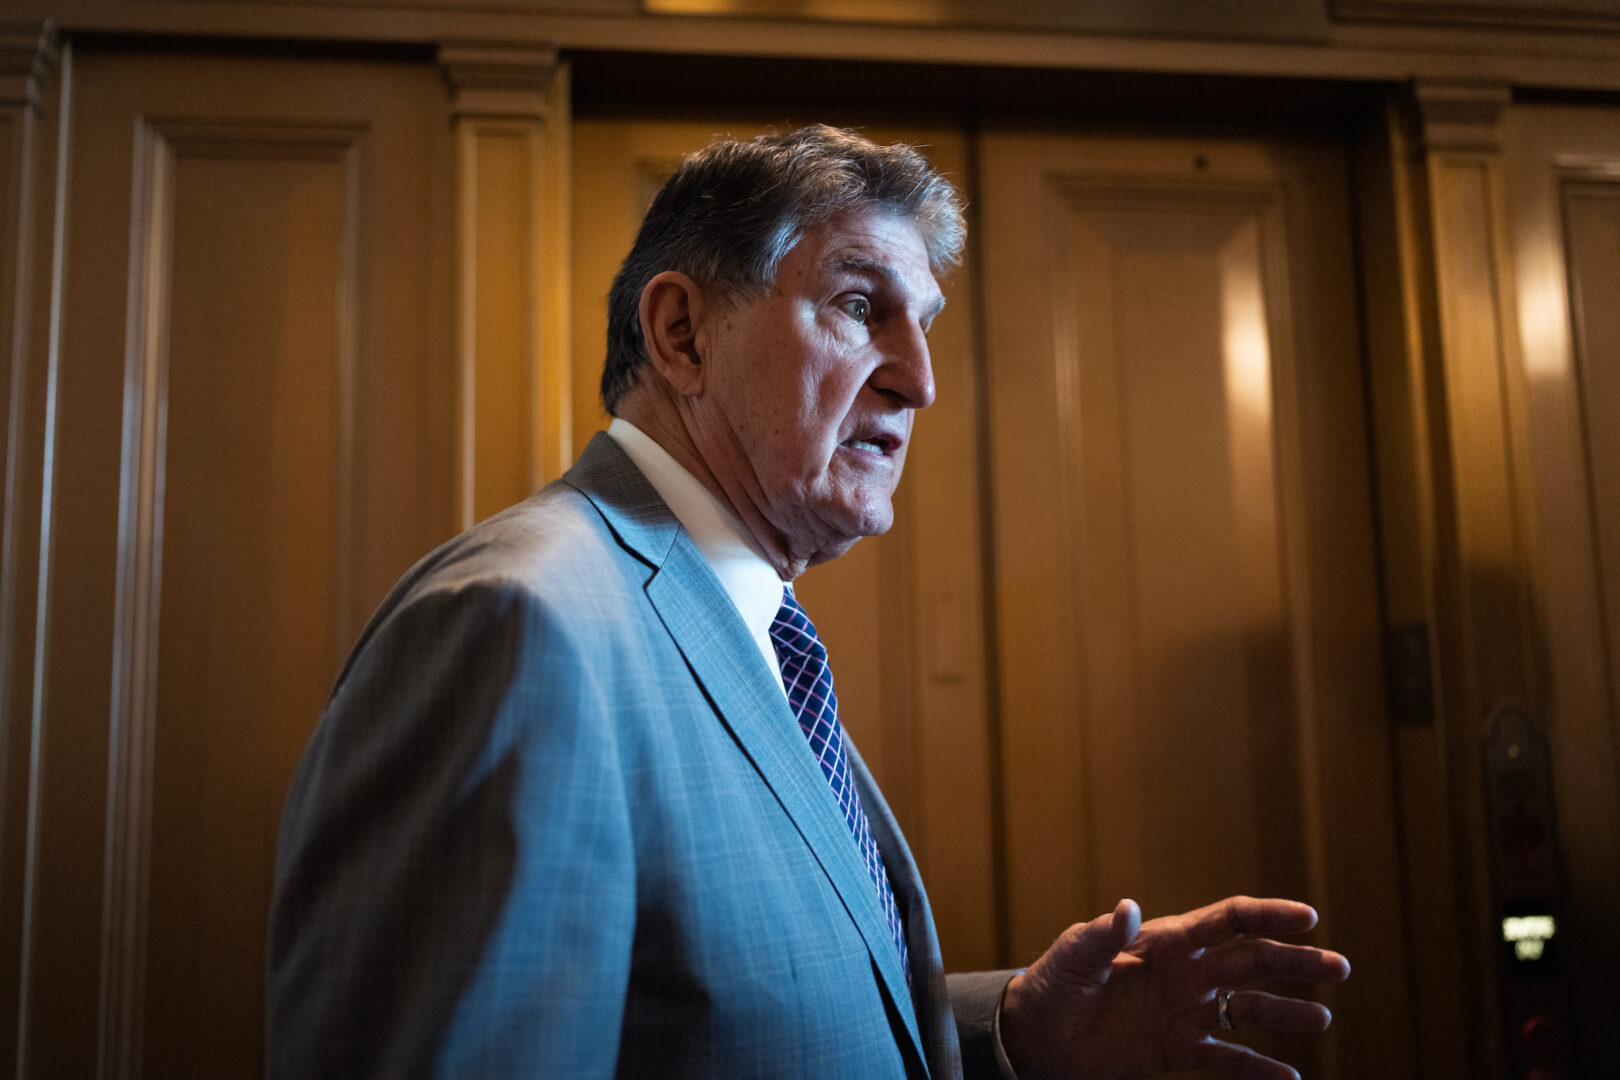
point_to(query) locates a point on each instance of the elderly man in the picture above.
(580, 804)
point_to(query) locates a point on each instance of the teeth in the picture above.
(862, 444)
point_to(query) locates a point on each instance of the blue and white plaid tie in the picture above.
(808, 681)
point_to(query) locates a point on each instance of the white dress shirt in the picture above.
(732, 554)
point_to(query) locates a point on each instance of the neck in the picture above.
(667, 423)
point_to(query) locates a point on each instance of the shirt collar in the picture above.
(750, 581)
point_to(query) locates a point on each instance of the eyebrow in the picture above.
(865, 264)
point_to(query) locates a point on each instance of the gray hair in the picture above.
(734, 209)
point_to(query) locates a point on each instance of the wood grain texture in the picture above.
(1187, 619)
(243, 463)
(258, 464)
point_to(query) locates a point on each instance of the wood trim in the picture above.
(29, 61)
(509, 111)
(1286, 20)
(1461, 117)
(132, 719)
(1483, 556)
(1398, 314)
(1352, 51)
(48, 424)
(1568, 15)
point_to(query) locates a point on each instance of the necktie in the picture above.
(808, 681)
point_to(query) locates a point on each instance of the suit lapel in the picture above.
(722, 655)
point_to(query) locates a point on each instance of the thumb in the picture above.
(1096, 943)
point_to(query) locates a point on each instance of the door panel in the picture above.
(1191, 700)
(1564, 174)
(253, 558)
(253, 438)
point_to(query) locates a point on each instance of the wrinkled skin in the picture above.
(1117, 998)
(795, 408)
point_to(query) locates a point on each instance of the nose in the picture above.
(906, 375)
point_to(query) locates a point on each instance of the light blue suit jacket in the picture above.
(557, 820)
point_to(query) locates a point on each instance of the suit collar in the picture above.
(745, 692)
(639, 519)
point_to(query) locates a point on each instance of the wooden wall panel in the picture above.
(247, 452)
(1563, 168)
(1186, 595)
(1180, 546)
(260, 359)
(1587, 732)
(1592, 235)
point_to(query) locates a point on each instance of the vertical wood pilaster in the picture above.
(1477, 343)
(509, 107)
(1481, 559)
(28, 91)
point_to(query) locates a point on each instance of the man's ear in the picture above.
(671, 310)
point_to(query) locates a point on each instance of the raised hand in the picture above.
(1119, 999)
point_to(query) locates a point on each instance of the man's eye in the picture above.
(857, 308)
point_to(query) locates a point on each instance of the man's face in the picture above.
(809, 391)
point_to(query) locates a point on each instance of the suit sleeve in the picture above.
(455, 883)
(975, 999)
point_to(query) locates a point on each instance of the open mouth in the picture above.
(872, 444)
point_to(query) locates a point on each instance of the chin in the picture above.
(869, 519)
(839, 523)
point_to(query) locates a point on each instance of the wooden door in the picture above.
(1191, 700)
(1564, 183)
(901, 613)
(250, 437)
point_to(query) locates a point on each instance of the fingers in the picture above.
(1093, 945)
(1239, 915)
(1230, 1059)
(1258, 1009)
(1127, 921)
(1250, 959)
